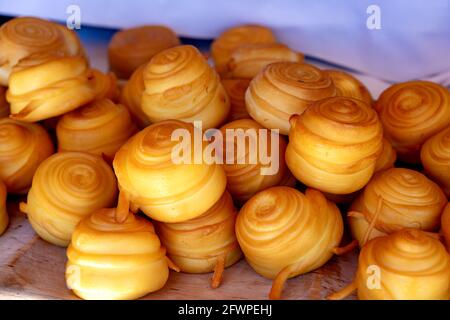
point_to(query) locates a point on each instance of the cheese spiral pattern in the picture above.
(100, 128)
(23, 146)
(111, 260)
(164, 189)
(283, 89)
(284, 233)
(435, 156)
(179, 84)
(334, 145)
(67, 187)
(412, 112)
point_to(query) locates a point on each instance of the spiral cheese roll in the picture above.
(131, 96)
(111, 260)
(100, 128)
(29, 41)
(247, 60)
(206, 243)
(411, 112)
(158, 172)
(334, 145)
(4, 106)
(244, 169)
(23, 146)
(105, 85)
(4, 219)
(233, 38)
(283, 89)
(49, 89)
(435, 156)
(387, 157)
(284, 233)
(406, 265)
(132, 47)
(394, 199)
(445, 225)
(179, 84)
(67, 187)
(348, 86)
(235, 89)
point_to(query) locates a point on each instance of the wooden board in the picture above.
(31, 268)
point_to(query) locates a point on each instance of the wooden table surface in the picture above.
(31, 268)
